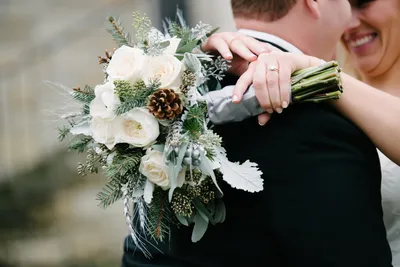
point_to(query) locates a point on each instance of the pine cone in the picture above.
(165, 104)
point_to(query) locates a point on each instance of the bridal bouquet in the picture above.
(147, 127)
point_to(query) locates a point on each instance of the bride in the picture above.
(373, 52)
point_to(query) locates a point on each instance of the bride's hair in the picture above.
(268, 10)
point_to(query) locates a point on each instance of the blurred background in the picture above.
(49, 216)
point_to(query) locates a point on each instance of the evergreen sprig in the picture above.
(159, 214)
(85, 95)
(115, 28)
(194, 122)
(110, 194)
(80, 144)
(121, 172)
(123, 164)
(63, 132)
(139, 96)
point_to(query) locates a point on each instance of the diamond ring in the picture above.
(273, 68)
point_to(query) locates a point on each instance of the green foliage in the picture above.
(115, 28)
(159, 214)
(142, 26)
(123, 89)
(194, 122)
(110, 194)
(85, 109)
(210, 140)
(85, 95)
(138, 96)
(216, 69)
(182, 32)
(123, 171)
(93, 160)
(80, 144)
(63, 132)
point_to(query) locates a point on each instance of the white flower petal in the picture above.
(148, 191)
(138, 128)
(125, 64)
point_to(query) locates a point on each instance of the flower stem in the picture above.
(317, 84)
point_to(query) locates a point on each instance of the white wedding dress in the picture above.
(391, 204)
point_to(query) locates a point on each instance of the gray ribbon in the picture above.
(222, 110)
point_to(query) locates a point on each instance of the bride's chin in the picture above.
(365, 64)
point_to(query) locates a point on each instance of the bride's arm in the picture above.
(375, 112)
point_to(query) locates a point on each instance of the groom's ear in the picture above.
(313, 7)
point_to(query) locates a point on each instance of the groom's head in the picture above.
(314, 26)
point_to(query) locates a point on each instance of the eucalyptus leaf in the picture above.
(182, 220)
(187, 48)
(174, 167)
(200, 228)
(158, 147)
(203, 211)
(220, 211)
(212, 208)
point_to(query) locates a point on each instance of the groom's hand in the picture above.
(270, 76)
(238, 48)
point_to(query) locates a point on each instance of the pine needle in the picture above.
(115, 28)
(85, 95)
(159, 216)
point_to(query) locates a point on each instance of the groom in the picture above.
(321, 204)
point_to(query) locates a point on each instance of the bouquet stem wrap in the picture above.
(314, 84)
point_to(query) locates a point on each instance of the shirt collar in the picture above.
(271, 38)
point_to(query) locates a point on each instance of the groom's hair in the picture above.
(268, 10)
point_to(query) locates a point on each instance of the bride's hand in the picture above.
(270, 75)
(238, 48)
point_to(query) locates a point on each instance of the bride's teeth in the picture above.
(361, 41)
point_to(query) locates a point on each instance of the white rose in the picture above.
(105, 101)
(173, 46)
(103, 131)
(125, 64)
(154, 168)
(168, 69)
(137, 127)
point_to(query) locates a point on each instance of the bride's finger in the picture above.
(273, 84)
(260, 87)
(217, 43)
(256, 46)
(284, 82)
(243, 84)
(263, 118)
(241, 49)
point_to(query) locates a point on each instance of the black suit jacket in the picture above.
(321, 203)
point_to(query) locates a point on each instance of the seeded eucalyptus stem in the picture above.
(317, 84)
